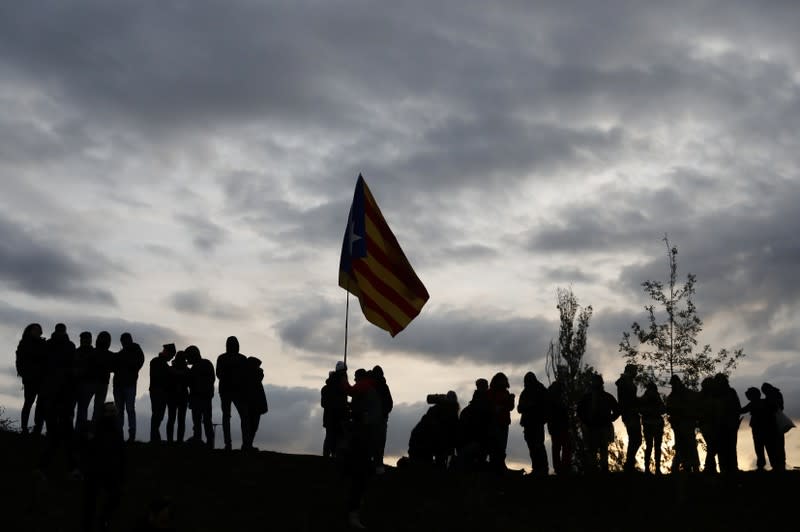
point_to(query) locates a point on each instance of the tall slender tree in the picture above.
(665, 348)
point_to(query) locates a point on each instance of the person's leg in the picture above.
(208, 424)
(633, 427)
(243, 410)
(181, 420)
(130, 407)
(658, 436)
(29, 394)
(539, 457)
(648, 447)
(172, 410)
(100, 392)
(197, 420)
(225, 404)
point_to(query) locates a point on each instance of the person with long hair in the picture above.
(30, 362)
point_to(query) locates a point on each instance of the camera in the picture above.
(436, 398)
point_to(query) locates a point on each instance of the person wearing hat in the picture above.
(629, 408)
(159, 389)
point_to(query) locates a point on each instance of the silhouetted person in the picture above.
(774, 400)
(629, 411)
(230, 367)
(127, 363)
(473, 428)
(682, 410)
(335, 410)
(31, 359)
(366, 412)
(84, 385)
(100, 368)
(729, 420)
(533, 407)
(201, 392)
(558, 423)
(709, 408)
(762, 425)
(58, 395)
(103, 460)
(433, 438)
(502, 403)
(178, 397)
(652, 410)
(159, 389)
(159, 517)
(597, 410)
(256, 399)
(387, 403)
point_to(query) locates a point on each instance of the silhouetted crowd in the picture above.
(476, 437)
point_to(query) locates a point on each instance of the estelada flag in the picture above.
(374, 268)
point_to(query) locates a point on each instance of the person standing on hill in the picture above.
(385, 396)
(100, 367)
(682, 411)
(533, 408)
(652, 410)
(31, 358)
(255, 398)
(627, 399)
(597, 410)
(201, 392)
(128, 361)
(159, 389)
(502, 403)
(178, 397)
(558, 423)
(230, 369)
(83, 379)
(774, 400)
(729, 424)
(335, 410)
(762, 425)
(58, 394)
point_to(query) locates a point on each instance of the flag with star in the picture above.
(374, 268)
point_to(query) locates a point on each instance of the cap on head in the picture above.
(341, 366)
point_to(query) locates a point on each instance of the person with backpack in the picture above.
(597, 410)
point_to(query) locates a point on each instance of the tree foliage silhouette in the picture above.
(565, 360)
(661, 349)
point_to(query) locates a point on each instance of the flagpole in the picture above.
(346, 317)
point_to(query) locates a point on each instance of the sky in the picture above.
(184, 170)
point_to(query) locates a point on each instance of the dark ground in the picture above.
(218, 491)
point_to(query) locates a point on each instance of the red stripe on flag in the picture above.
(385, 290)
(370, 303)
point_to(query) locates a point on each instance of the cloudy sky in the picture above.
(183, 170)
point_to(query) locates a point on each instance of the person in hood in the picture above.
(502, 403)
(256, 399)
(385, 396)
(201, 392)
(597, 411)
(58, 395)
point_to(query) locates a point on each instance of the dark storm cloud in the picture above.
(39, 266)
(199, 302)
(206, 234)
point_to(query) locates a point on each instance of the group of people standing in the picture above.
(63, 379)
(476, 437)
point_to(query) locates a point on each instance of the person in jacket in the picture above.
(597, 410)
(335, 410)
(502, 403)
(127, 363)
(708, 409)
(762, 426)
(159, 389)
(533, 408)
(100, 367)
(58, 396)
(433, 438)
(385, 396)
(629, 411)
(682, 411)
(84, 385)
(31, 359)
(774, 400)
(558, 423)
(652, 410)
(473, 429)
(230, 369)
(177, 397)
(201, 392)
(729, 418)
(256, 399)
